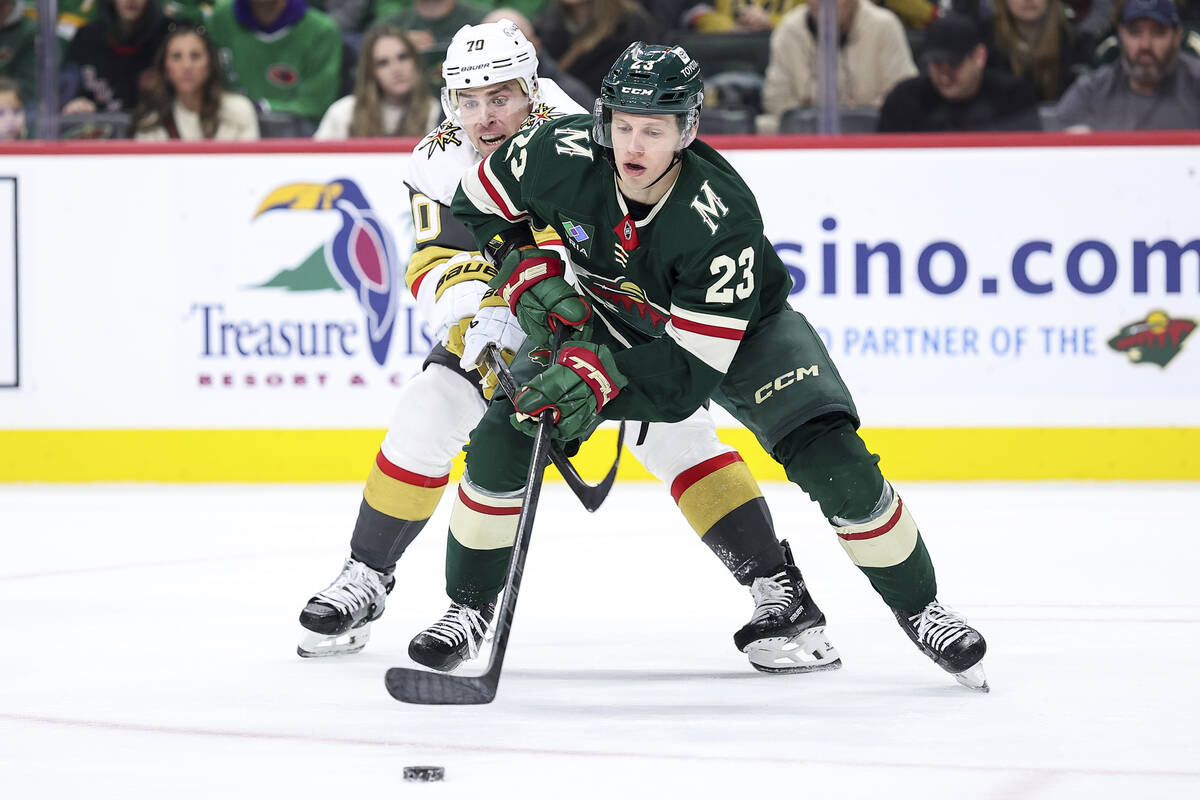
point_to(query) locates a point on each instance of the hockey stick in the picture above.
(592, 496)
(438, 688)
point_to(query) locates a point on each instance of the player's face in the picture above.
(1149, 50)
(395, 69)
(186, 63)
(644, 145)
(491, 114)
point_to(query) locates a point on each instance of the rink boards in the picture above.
(1001, 307)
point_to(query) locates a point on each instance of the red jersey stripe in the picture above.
(707, 330)
(494, 193)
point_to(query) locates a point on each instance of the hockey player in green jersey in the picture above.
(680, 298)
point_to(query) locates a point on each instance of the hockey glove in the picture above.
(531, 283)
(492, 326)
(583, 380)
(459, 289)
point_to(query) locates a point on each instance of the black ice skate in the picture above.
(946, 637)
(787, 631)
(454, 638)
(338, 618)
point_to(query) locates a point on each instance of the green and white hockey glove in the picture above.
(583, 380)
(532, 284)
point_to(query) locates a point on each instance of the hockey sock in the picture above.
(395, 507)
(829, 461)
(483, 526)
(723, 504)
(888, 548)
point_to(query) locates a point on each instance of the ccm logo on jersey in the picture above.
(783, 381)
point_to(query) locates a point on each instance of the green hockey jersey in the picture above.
(676, 291)
(297, 69)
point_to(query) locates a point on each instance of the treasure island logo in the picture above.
(361, 257)
(1156, 340)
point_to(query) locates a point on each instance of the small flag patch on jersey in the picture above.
(579, 235)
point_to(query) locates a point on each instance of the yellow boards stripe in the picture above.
(908, 454)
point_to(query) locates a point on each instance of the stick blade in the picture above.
(438, 689)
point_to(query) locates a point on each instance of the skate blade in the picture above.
(318, 645)
(808, 651)
(973, 678)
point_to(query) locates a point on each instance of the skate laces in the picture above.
(358, 585)
(771, 596)
(460, 623)
(938, 626)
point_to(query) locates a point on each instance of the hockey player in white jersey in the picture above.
(492, 92)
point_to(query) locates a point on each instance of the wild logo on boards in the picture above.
(1154, 340)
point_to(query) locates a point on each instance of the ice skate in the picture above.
(787, 632)
(946, 638)
(338, 618)
(454, 638)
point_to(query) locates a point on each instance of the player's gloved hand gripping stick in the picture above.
(591, 495)
(531, 281)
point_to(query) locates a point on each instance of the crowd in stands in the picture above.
(335, 69)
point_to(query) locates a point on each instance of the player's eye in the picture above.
(501, 100)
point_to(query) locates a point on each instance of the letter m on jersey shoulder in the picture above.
(572, 142)
(709, 206)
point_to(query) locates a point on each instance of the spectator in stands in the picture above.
(391, 96)
(12, 111)
(1109, 49)
(586, 36)
(738, 16)
(1033, 40)
(17, 46)
(109, 58)
(1152, 87)
(873, 56)
(547, 66)
(186, 97)
(429, 22)
(960, 92)
(286, 56)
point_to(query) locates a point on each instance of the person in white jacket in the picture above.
(186, 98)
(873, 56)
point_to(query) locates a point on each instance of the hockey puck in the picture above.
(426, 774)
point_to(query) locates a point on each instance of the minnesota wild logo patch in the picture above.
(1155, 340)
(579, 235)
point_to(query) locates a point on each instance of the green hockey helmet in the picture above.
(651, 79)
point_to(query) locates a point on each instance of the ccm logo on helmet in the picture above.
(633, 90)
(783, 381)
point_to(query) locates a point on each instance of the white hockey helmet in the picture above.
(485, 55)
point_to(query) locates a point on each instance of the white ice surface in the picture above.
(149, 636)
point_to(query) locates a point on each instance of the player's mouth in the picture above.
(633, 169)
(492, 140)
